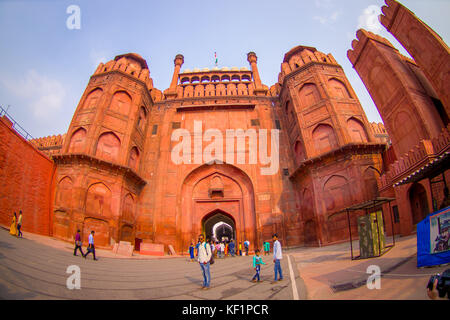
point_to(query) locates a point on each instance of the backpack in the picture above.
(211, 260)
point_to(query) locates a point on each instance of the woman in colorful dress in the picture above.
(13, 229)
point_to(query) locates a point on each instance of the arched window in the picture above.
(108, 147)
(308, 95)
(77, 141)
(121, 102)
(324, 138)
(338, 89)
(356, 131)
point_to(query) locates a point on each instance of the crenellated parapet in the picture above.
(131, 64)
(50, 145)
(419, 156)
(301, 56)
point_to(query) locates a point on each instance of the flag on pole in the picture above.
(215, 57)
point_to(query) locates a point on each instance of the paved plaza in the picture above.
(35, 268)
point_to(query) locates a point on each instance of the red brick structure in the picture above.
(412, 98)
(116, 172)
(26, 182)
(116, 176)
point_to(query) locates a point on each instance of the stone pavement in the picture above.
(35, 268)
(328, 272)
(31, 270)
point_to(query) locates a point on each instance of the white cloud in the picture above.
(328, 19)
(369, 19)
(45, 96)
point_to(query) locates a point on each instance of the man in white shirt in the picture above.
(277, 256)
(91, 247)
(204, 256)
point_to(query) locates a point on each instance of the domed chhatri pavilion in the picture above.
(113, 171)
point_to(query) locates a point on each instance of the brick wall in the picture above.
(26, 182)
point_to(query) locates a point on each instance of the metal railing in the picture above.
(15, 125)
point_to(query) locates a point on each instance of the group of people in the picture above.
(206, 248)
(79, 244)
(16, 225)
(224, 249)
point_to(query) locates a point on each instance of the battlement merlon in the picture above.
(131, 64)
(358, 45)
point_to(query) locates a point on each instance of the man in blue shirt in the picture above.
(91, 247)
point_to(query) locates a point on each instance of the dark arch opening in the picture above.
(219, 225)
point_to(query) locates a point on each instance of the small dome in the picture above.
(234, 69)
(187, 71)
(196, 70)
(225, 69)
(205, 69)
(244, 69)
(215, 69)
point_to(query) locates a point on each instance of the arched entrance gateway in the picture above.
(219, 226)
(216, 199)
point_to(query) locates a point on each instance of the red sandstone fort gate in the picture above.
(216, 189)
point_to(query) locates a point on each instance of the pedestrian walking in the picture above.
(191, 251)
(246, 246)
(266, 248)
(91, 247)
(222, 250)
(13, 228)
(19, 225)
(204, 257)
(277, 256)
(232, 247)
(240, 248)
(78, 244)
(257, 262)
(213, 247)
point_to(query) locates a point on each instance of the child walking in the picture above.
(257, 262)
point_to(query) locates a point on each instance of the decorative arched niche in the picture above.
(108, 147)
(77, 141)
(324, 138)
(338, 89)
(356, 131)
(98, 200)
(308, 95)
(92, 98)
(133, 161)
(121, 102)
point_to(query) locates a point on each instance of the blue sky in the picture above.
(45, 66)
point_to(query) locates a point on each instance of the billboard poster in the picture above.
(440, 231)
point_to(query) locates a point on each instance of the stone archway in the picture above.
(419, 203)
(218, 225)
(214, 188)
